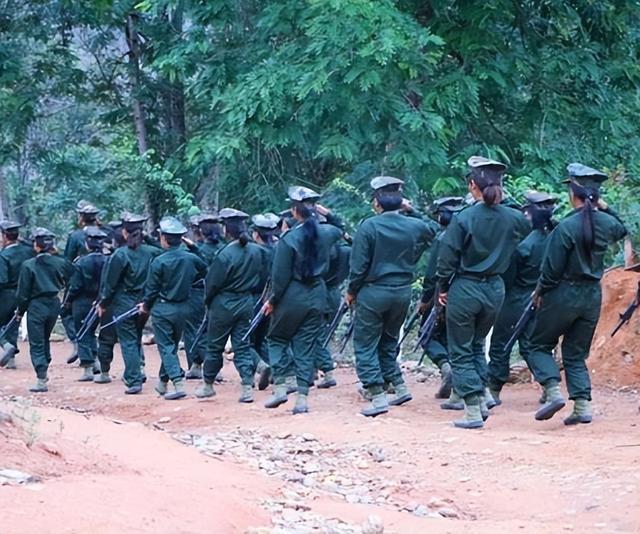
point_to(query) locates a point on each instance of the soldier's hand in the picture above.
(406, 205)
(349, 299)
(422, 308)
(142, 309)
(101, 311)
(267, 308)
(602, 205)
(322, 210)
(536, 300)
(442, 299)
(188, 242)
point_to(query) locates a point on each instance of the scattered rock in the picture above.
(448, 512)
(309, 468)
(164, 420)
(49, 448)
(13, 477)
(5, 418)
(308, 437)
(373, 525)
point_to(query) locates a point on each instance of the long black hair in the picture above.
(267, 235)
(489, 181)
(589, 197)
(236, 228)
(44, 244)
(211, 231)
(541, 217)
(307, 211)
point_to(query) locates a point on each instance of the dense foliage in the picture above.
(161, 105)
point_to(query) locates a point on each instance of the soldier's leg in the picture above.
(395, 304)
(9, 343)
(36, 327)
(194, 316)
(107, 339)
(127, 332)
(86, 345)
(367, 333)
(243, 357)
(218, 332)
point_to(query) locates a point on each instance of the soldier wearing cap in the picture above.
(240, 267)
(520, 282)
(14, 253)
(568, 294)
(384, 255)
(41, 280)
(166, 295)
(122, 289)
(298, 299)
(82, 293)
(474, 253)
(436, 347)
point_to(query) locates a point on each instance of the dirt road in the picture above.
(107, 463)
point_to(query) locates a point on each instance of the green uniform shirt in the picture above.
(289, 254)
(75, 246)
(208, 251)
(85, 281)
(480, 241)
(171, 275)
(127, 271)
(42, 276)
(236, 269)
(430, 279)
(338, 270)
(387, 248)
(528, 258)
(566, 257)
(11, 260)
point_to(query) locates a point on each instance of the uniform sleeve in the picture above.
(4, 271)
(281, 270)
(334, 220)
(556, 256)
(450, 253)
(429, 281)
(68, 248)
(216, 278)
(23, 293)
(360, 261)
(153, 285)
(76, 283)
(112, 275)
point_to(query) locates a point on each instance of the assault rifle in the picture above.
(199, 333)
(255, 322)
(407, 329)
(123, 317)
(525, 318)
(8, 326)
(426, 330)
(625, 316)
(337, 319)
(88, 321)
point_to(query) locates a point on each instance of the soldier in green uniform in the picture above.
(520, 282)
(166, 295)
(436, 347)
(568, 294)
(124, 278)
(14, 253)
(298, 298)
(475, 251)
(235, 272)
(83, 292)
(384, 255)
(41, 280)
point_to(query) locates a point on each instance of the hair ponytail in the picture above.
(489, 181)
(210, 232)
(307, 212)
(589, 197)
(237, 229)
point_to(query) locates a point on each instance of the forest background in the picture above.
(160, 106)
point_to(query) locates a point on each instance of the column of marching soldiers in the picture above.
(272, 286)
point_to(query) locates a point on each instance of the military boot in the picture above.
(133, 390)
(194, 372)
(490, 402)
(96, 367)
(74, 354)
(247, 394)
(292, 384)
(205, 391)
(87, 374)
(543, 397)
(484, 407)
(472, 414)
(555, 401)
(402, 395)
(378, 405)
(9, 353)
(301, 404)
(162, 388)
(495, 395)
(143, 374)
(178, 391)
(102, 378)
(446, 381)
(278, 397)
(453, 403)
(11, 364)
(581, 413)
(365, 393)
(41, 386)
(264, 371)
(328, 381)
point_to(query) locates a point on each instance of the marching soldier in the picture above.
(298, 299)
(474, 252)
(384, 255)
(82, 294)
(124, 279)
(520, 282)
(568, 294)
(167, 291)
(14, 253)
(235, 272)
(41, 280)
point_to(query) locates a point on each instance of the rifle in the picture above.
(347, 335)
(525, 318)
(337, 318)
(625, 317)
(426, 330)
(200, 332)
(8, 326)
(407, 329)
(123, 317)
(88, 321)
(255, 322)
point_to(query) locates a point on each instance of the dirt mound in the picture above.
(616, 361)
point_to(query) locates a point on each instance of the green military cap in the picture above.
(133, 218)
(302, 194)
(172, 226)
(476, 162)
(584, 176)
(94, 232)
(81, 204)
(5, 226)
(114, 224)
(208, 216)
(380, 182)
(230, 213)
(539, 197)
(88, 209)
(448, 203)
(42, 233)
(268, 221)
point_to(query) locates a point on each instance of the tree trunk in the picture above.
(139, 116)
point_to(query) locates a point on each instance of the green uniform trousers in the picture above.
(69, 325)
(259, 335)
(7, 311)
(129, 334)
(324, 361)
(168, 319)
(472, 307)
(297, 321)
(570, 310)
(42, 315)
(229, 316)
(515, 302)
(436, 348)
(87, 346)
(107, 338)
(379, 313)
(195, 313)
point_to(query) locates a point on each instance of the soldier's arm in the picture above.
(281, 271)
(450, 253)
(23, 293)
(76, 283)
(4, 271)
(429, 280)
(113, 272)
(360, 260)
(555, 259)
(153, 284)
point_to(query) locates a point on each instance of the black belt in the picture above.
(478, 277)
